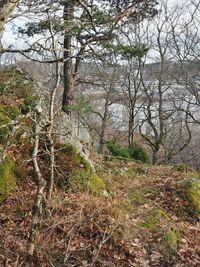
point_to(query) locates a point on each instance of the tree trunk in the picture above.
(155, 158)
(155, 154)
(103, 126)
(6, 8)
(131, 128)
(39, 198)
(50, 140)
(68, 68)
(102, 139)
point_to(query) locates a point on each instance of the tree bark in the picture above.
(39, 198)
(50, 139)
(103, 127)
(68, 68)
(155, 150)
(155, 157)
(131, 127)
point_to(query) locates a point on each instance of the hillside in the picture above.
(99, 133)
(117, 213)
(145, 219)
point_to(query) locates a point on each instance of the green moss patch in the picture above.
(153, 220)
(181, 167)
(173, 238)
(189, 191)
(136, 170)
(7, 178)
(143, 195)
(194, 194)
(83, 180)
(137, 197)
(77, 173)
(151, 191)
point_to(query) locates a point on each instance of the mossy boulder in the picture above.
(189, 190)
(7, 177)
(76, 171)
(84, 180)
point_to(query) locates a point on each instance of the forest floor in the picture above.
(142, 220)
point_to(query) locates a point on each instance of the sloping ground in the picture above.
(145, 220)
(16, 100)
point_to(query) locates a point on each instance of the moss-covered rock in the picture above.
(77, 173)
(84, 180)
(7, 178)
(189, 190)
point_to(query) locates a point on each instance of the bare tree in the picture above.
(162, 116)
(98, 93)
(132, 94)
(184, 46)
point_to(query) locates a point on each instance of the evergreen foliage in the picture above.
(134, 151)
(117, 149)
